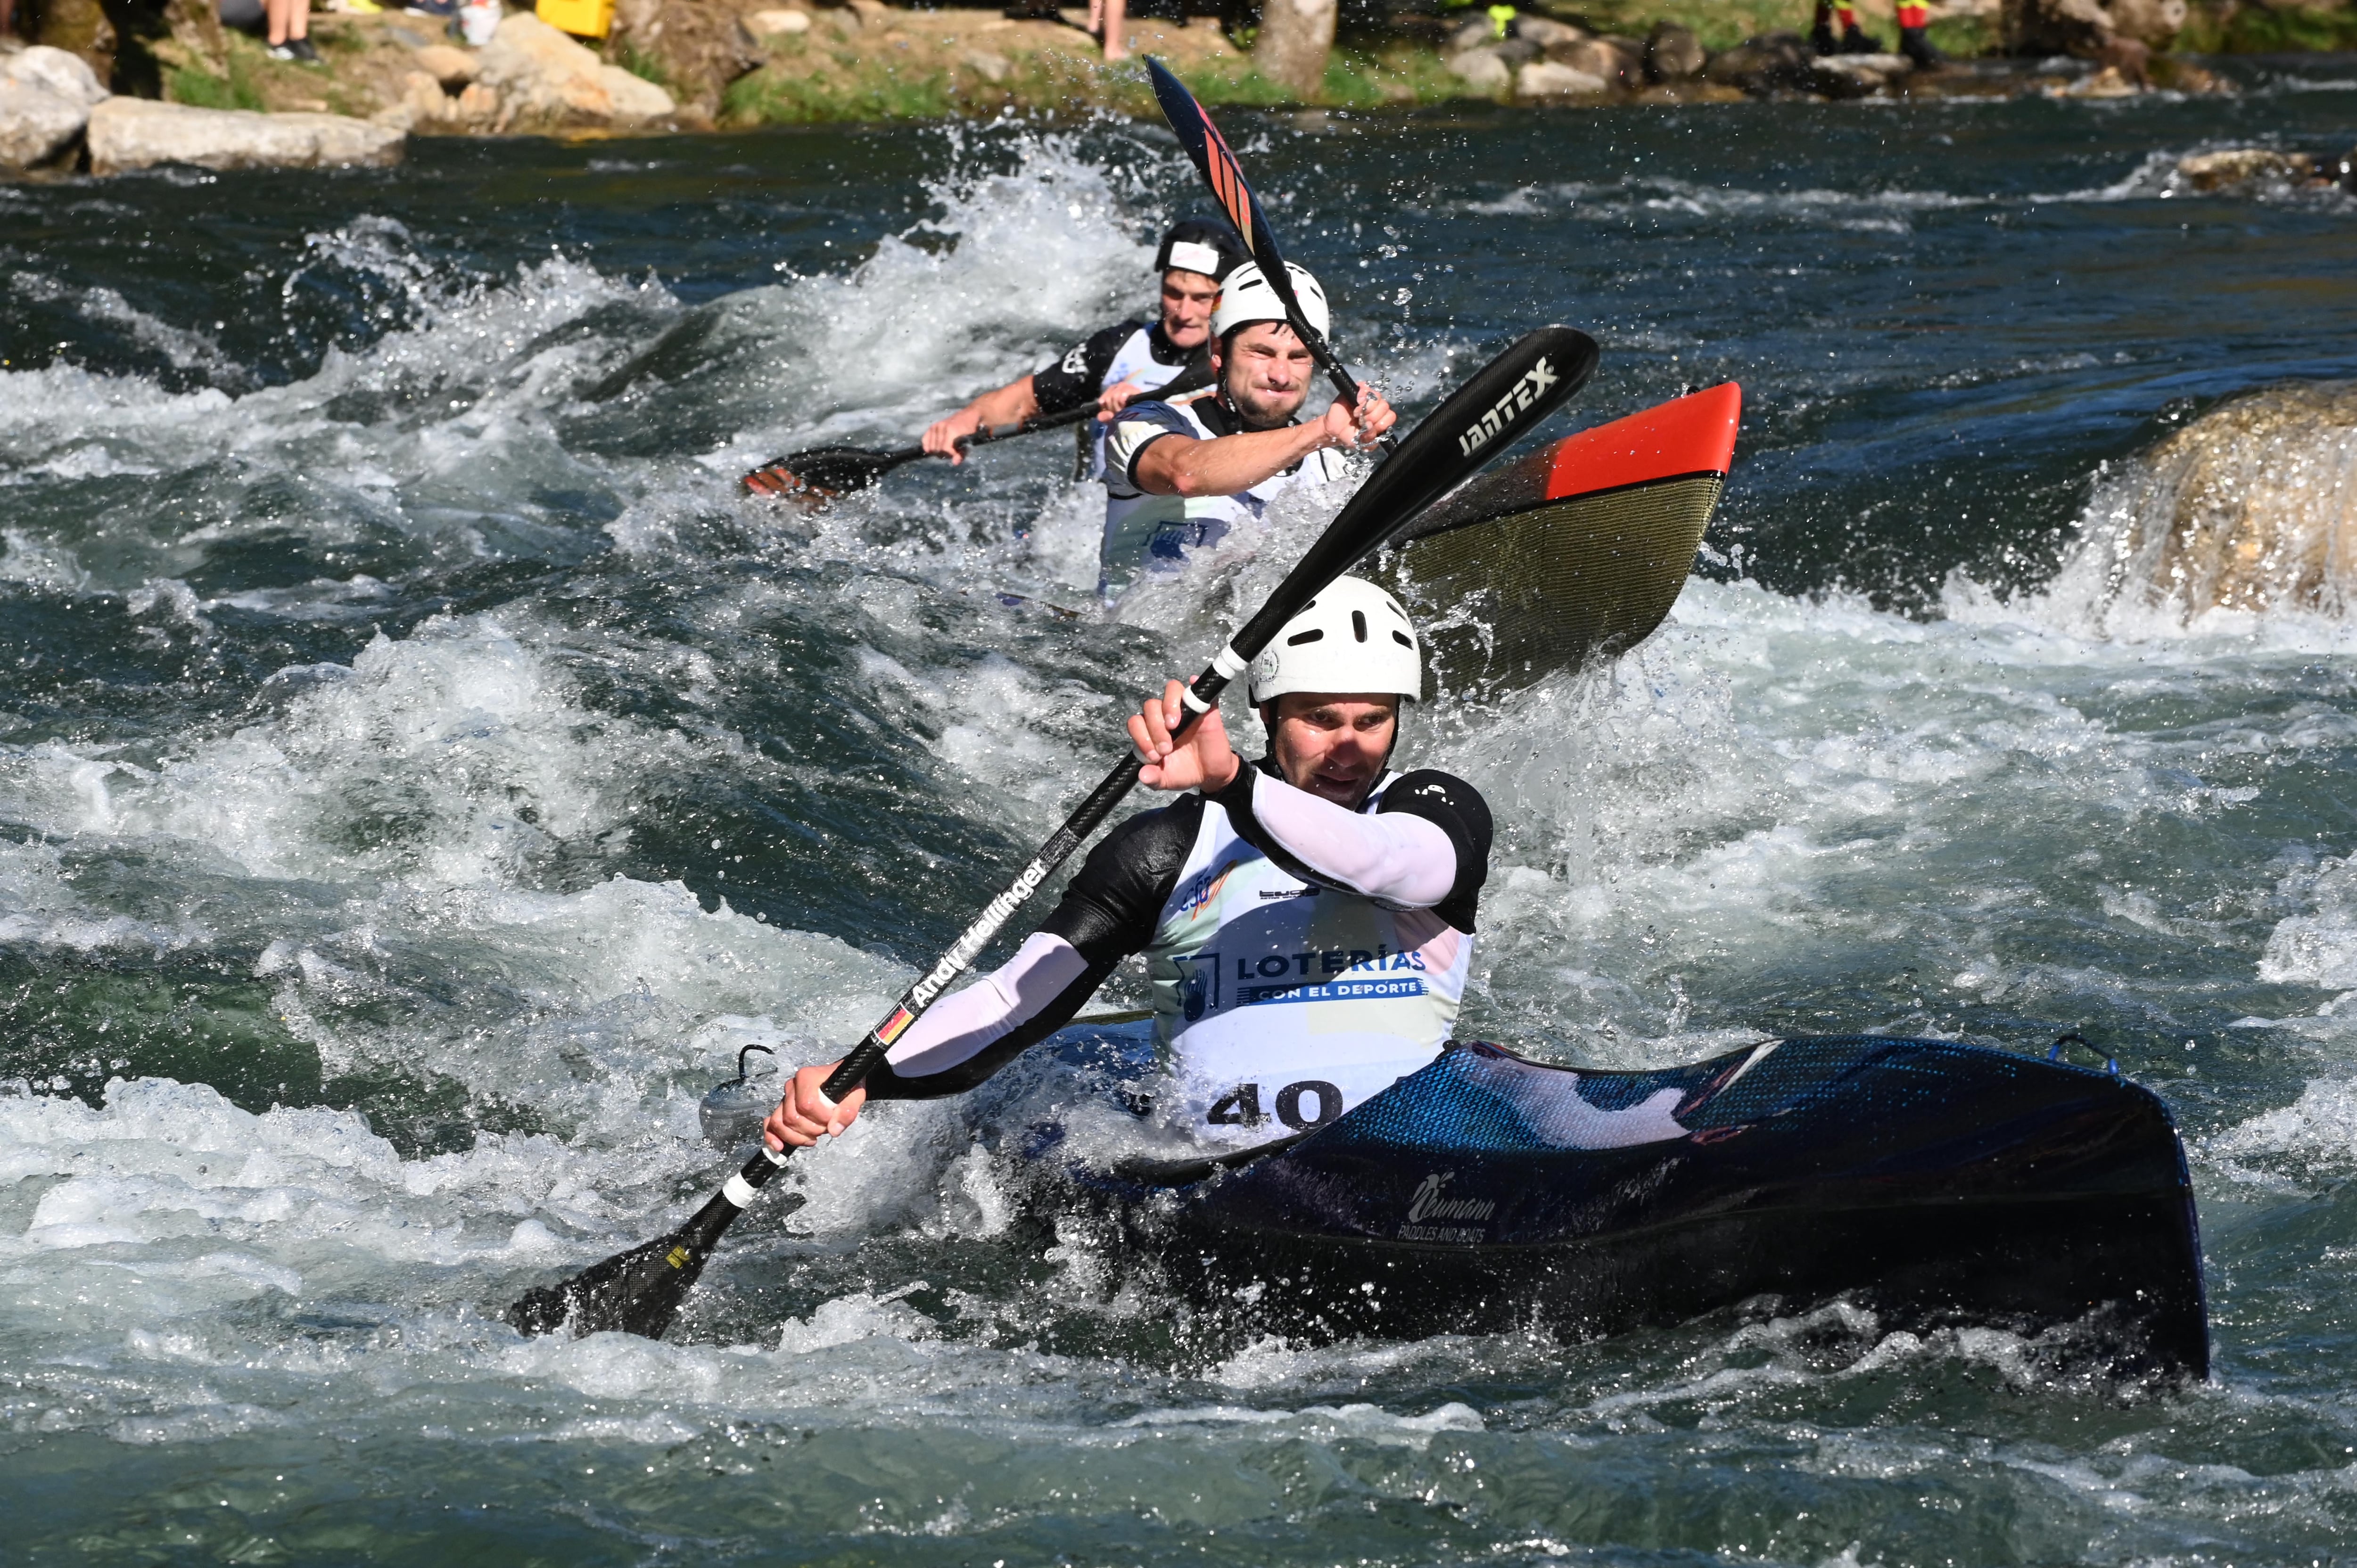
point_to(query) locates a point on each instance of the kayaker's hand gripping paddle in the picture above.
(639, 1291)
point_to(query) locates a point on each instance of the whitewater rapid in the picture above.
(425, 770)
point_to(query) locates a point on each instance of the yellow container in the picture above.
(582, 18)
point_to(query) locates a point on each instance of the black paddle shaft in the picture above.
(824, 471)
(640, 1290)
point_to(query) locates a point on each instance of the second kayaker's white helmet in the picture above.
(1352, 637)
(1245, 297)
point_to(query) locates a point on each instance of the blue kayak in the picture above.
(1934, 1182)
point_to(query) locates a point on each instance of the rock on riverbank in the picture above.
(138, 133)
(46, 97)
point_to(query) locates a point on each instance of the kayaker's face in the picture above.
(1333, 747)
(1266, 372)
(1187, 301)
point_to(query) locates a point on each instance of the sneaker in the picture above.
(298, 50)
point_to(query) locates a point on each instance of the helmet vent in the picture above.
(1404, 640)
(1299, 637)
(1358, 624)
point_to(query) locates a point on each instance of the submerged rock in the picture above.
(138, 133)
(2236, 166)
(2252, 506)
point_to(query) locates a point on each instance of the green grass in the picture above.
(202, 89)
(644, 66)
(1720, 24)
(813, 83)
(2261, 29)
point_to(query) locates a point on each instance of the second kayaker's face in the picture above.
(1333, 747)
(1187, 301)
(1265, 371)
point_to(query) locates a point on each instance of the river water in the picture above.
(419, 771)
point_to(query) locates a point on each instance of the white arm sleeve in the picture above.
(1403, 861)
(958, 1027)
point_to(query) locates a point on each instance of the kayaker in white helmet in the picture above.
(1181, 472)
(1123, 361)
(1306, 919)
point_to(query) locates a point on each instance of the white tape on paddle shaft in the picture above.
(1228, 665)
(738, 1190)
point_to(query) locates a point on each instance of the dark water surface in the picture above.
(419, 771)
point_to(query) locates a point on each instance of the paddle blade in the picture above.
(824, 472)
(1571, 553)
(1209, 150)
(1219, 170)
(636, 1291)
(1504, 400)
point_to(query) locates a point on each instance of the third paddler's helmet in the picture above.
(1246, 297)
(1351, 638)
(1202, 245)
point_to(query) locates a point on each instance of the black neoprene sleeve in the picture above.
(1108, 912)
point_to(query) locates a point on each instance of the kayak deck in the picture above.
(1935, 1182)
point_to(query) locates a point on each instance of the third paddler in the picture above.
(1306, 919)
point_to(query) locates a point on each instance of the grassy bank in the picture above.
(813, 79)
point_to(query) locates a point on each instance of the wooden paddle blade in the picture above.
(1570, 555)
(825, 472)
(636, 1291)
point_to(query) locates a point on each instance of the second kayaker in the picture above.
(1306, 920)
(1181, 472)
(1122, 362)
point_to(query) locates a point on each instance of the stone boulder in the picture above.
(1484, 71)
(2252, 506)
(138, 133)
(1607, 58)
(1473, 34)
(1673, 53)
(1858, 76)
(54, 70)
(779, 22)
(1546, 32)
(546, 79)
(1544, 78)
(451, 69)
(2239, 168)
(1770, 62)
(2087, 28)
(37, 126)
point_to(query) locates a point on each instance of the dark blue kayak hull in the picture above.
(1934, 1182)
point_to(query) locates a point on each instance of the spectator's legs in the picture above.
(1115, 20)
(289, 19)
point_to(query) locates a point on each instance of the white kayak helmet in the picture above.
(1352, 637)
(1245, 297)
